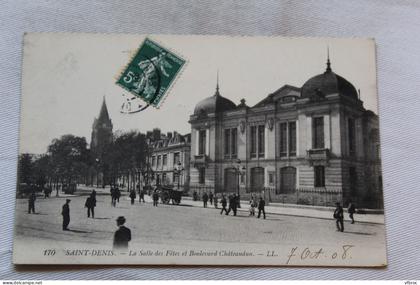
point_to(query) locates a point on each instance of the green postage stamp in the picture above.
(151, 72)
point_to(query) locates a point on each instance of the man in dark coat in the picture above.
(261, 207)
(66, 215)
(233, 204)
(155, 197)
(90, 204)
(122, 236)
(117, 194)
(113, 196)
(205, 199)
(141, 194)
(351, 210)
(224, 203)
(339, 217)
(31, 202)
(211, 196)
(133, 196)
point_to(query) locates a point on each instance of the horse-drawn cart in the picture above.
(167, 193)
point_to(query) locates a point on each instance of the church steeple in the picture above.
(101, 130)
(103, 114)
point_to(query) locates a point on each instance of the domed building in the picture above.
(313, 145)
(214, 104)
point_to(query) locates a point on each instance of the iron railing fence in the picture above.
(312, 196)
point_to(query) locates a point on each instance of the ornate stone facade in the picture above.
(170, 160)
(312, 145)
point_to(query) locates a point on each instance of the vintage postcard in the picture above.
(199, 150)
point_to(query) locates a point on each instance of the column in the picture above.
(197, 141)
(207, 142)
(327, 132)
(308, 133)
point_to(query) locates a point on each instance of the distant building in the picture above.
(311, 145)
(102, 136)
(101, 131)
(170, 160)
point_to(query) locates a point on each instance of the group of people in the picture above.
(121, 236)
(229, 204)
(339, 215)
(133, 195)
(115, 195)
(209, 198)
(232, 203)
(254, 203)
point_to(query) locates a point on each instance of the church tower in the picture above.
(101, 131)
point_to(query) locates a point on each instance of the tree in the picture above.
(26, 165)
(41, 169)
(126, 156)
(69, 158)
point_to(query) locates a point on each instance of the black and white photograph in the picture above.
(263, 151)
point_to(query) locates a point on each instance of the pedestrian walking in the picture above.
(113, 196)
(31, 202)
(133, 196)
(211, 196)
(195, 196)
(66, 215)
(155, 197)
(90, 204)
(233, 204)
(122, 236)
(117, 194)
(339, 218)
(205, 199)
(223, 202)
(216, 201)
(141, 194)
(47, 192)
(351, 210)
(261, 207)
(252, 206)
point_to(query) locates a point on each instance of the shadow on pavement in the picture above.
(77, 231)
(252, 217)
(185, 205)
(359, 233)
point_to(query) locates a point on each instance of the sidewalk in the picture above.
(274, 209)
(288, 210)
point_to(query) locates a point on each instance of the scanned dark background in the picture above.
(394, 25)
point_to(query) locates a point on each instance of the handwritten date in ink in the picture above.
(306, 253)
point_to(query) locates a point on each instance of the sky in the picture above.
(66, 76)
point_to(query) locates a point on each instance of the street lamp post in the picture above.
(97, 161)
(178, 170)
(239, 172)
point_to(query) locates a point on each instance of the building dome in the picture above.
(328, 83)
(214, 104)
